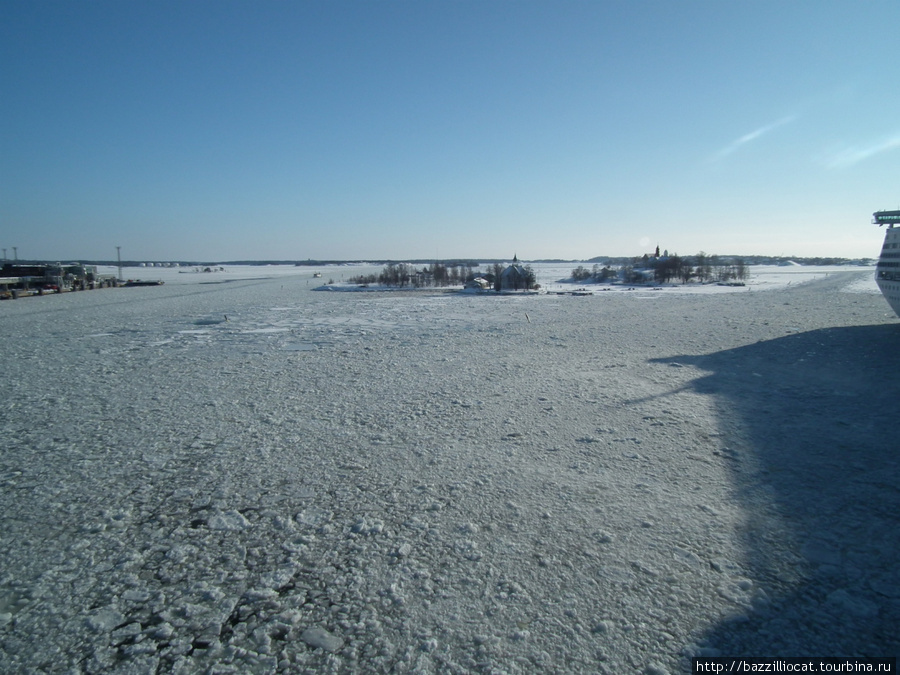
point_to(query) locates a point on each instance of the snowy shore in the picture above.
(232, 473)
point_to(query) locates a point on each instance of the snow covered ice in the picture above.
(253, 477)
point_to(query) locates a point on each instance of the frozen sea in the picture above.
(233, 473)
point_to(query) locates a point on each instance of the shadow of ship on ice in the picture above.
(811, 426)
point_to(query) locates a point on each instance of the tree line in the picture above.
(702, 267)
(402, 275)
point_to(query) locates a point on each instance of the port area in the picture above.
(21, 280)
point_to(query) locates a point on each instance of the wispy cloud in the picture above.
(855, 154)
(752, 136)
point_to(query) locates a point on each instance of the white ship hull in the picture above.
(887, 274)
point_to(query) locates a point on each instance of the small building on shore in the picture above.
(516, 277)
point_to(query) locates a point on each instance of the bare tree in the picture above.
(581, 273)
(686, 271)
(530, 278)
(703, 270)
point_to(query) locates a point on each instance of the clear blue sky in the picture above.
(222, 130)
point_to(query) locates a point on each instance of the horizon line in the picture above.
(309, 262)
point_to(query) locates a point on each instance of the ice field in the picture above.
(235, 473)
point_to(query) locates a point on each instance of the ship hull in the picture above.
(887, 274)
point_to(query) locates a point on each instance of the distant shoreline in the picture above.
(612, 260)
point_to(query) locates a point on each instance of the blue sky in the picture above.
(222, 130)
